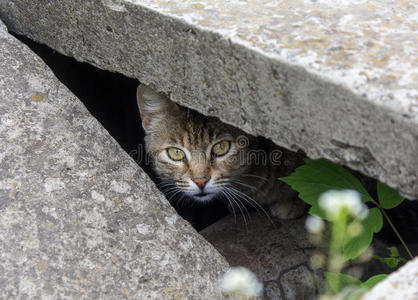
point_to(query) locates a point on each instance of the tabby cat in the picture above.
(201, 158)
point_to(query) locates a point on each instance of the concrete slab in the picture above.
(338, 80)
(402, 284)
(78, 218)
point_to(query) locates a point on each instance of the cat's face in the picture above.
(193, 154)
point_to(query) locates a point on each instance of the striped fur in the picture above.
(238, 176)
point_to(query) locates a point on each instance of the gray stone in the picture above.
(338, 80)
(78, 218)
(278, 255)
(402, 284)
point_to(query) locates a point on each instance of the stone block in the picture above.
(402, 284)
(78, 218)
(278, 253)
(337, 80)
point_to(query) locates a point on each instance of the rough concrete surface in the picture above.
(338, 80)
(278, 255)
(78, 218)
(402, 284)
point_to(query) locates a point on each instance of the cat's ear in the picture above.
(151, 105)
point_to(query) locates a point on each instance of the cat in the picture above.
(201, 158)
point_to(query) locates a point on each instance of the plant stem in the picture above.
(338, 229)
(394, 229)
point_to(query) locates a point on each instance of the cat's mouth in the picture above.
(202, 194)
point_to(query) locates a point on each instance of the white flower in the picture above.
(314, 224)
(241, 281)
(333, 201)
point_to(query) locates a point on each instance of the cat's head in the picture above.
(193, 154)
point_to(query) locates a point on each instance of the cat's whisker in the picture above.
(225, 182)
(243, 205)
(254, 176)
(244, 184)
(161, 183)
(174, 193)
(221, 182)
(168, 189)
(164, 182)
(233, 191)
(237, 202)
(249, 200)
(169, 192)
(232, 206)
(182, 200)
(170, 195)
(229, 197)
(187, 190)
(166, 186)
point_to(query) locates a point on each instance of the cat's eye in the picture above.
(221, 148)
(175, 154)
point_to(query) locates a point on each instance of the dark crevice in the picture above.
(111, 99)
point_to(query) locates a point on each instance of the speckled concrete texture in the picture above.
(402, 284)
(338, 80)
(78, 218)
(278, 254)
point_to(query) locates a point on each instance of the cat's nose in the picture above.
(201, 181)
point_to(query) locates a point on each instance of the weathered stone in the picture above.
(78, 218)
(278, 254)
(337, 80)
(402, 284)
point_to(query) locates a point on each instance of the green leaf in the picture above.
(391, 262)
(355, 246)
(394, 258)
(319, 176)
(372, 281)
(356, 294)
(393, 251)
(338, 281)
(388, 197)
(374, 220)
(317, 211)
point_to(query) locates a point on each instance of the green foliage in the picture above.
(354, 246)
(372, 281)
(388, 197)
(339, 281)
(318, 176)
(394, 258)
(356, 233)
(393, 252)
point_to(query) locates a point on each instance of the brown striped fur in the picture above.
(237, 176)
